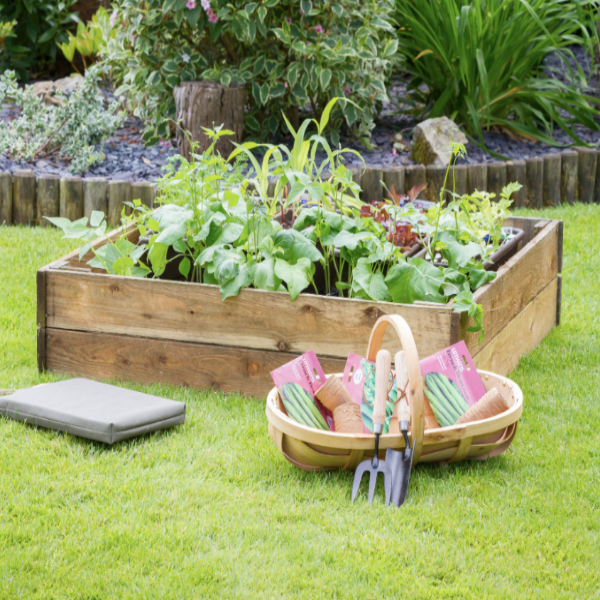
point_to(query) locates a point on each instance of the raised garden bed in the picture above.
(155, 331)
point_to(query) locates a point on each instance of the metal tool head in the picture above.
(400, 463)
(374, 467)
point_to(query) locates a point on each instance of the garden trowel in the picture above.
(375, 466)
(400, 462)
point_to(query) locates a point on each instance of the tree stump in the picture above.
(207, 104)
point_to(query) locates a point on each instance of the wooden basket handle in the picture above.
(415, 387)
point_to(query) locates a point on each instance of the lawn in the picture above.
(212, 510)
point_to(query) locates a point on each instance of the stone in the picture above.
(68, 84)
(47, 89)
(431, 141)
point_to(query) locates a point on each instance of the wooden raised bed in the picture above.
(106, 326)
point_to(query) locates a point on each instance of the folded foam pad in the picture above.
(92, 410)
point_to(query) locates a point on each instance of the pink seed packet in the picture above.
(456, 364)
(306, 371)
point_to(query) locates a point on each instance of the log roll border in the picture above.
(548, 180)
(25, 199)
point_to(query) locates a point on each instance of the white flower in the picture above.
(185, 58)
(205, 5)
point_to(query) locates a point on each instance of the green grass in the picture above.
(212, 510)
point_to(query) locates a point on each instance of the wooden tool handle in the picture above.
(383, 365)
(415, 389)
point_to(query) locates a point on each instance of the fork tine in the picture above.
(357, 479)
(372, 484)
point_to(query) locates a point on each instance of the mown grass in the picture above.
(211, 510)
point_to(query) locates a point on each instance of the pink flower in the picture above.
(319, 29)
(394, 153)
(285, 84)
(191, 4)
(347, 91)
(205, 5)
(212, 17)
(113, 17)
(288, 20)
(164, 143)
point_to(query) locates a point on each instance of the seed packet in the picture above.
(305, 371)
(452, 383)
(359, 380)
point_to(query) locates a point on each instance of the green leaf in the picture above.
(372, 285)
(96, 218)
(225, 78)
(185, 266)
(123, 265)
(264, 274)
(325, 78)
(171, 66)
(306, 6)
(292, 73)
(480, 277)
(259, 66)
(296, 276)
(293, 245)
(264, 93)
(193, 15)
(262, 13)
(414, 280)
(251, 7)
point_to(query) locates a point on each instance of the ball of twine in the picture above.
(333, 393)
(489, 405)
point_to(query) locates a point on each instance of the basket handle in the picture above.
(415, 387)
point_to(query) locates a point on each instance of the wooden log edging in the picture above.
(548, 180)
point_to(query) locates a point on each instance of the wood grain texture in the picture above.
(518, 282)
(48, 198)
(41, 296)
(496, 178)
(435, 182)
(145, 192)
(515, 172)
(209, 104)
(534, 174)
(394, 177)
(118, 193)
(552, 179)
(148, 360)
(71, 198)
(477, 178)
(522, 334)
(253, 319)
(24, 188)
(95, 196)
(586, 173)
(569, 168)
(371, 185)
(414, 175)
(6, 198)
(458, 180)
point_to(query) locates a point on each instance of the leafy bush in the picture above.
(69, 131)
(40, 24)
(89, 39)
(479, 62)
(288, 53)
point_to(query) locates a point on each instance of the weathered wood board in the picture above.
(152, 331)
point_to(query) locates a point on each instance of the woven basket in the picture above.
(315, 449)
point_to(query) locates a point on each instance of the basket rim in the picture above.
(364, 441)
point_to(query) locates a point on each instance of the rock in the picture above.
(47, 89)
(431, 141)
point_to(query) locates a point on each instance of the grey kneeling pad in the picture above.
(92, 410)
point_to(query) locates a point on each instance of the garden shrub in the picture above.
(40, 25)
(290, 54)
(480, 63)
(70, 131)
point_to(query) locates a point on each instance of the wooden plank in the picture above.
(48, 198)
(496, 178)
(145, 192)
(393, 177)
(148, 360)
(95, 196)
(24, 184)
(71, 198)
(41, 349)
(552, 178)
(586, 173)
(477, 178)
(435, 182)
(596, 198)
(561, 229)
(370, 184)
(118, 193)
(414, 175)
(253, 319)
(41, 296)
(569, 168)
(458, 180)
(6, 198)
(558, 300)
(534, 174)
(519, 281)
(515, 172)
(522, 334)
